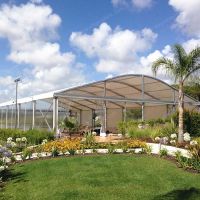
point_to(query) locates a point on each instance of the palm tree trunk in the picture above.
(180, 109)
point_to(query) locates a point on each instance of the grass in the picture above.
(101, 177)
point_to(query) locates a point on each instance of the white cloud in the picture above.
(188, 17)
(31, 30)
(119, 2)
(116, 50)
(36, 1)
(139, 4)
(191, 44)
(146, 62)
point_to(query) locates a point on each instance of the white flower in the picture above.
(172, 141)
(140, 126)
(2, 168)
(173, 136)
(9, 139)
(186, 137)
(94, 133)
(193, 142)
(165, 139)
(44, 141)
(13, 144)
(157, 139)
(24, 139)
(18, 139)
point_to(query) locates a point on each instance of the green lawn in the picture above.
(101, 177)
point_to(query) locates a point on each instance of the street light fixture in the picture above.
(16, 113)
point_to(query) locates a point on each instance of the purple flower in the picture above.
(2, 149)
(7, 154)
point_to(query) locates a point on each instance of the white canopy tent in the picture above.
(113, 97)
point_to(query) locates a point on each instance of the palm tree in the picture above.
(180, 68)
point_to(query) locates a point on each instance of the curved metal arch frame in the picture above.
(121, 76)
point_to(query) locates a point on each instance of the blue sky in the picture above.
(55, 44)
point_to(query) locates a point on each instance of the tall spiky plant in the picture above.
(180, 68)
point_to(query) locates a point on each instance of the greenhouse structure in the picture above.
(111, 99)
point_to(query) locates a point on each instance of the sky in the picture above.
(54, 44)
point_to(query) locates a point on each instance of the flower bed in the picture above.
(188, 158)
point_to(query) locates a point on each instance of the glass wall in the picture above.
(44, 114)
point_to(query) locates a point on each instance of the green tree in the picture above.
(180, 68)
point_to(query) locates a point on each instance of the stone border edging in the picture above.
(171, 149)
(154, 146)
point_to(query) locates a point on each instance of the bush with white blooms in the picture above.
(5, 155)
(173, 136)
(186, 137)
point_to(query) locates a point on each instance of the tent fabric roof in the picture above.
(126, 90)
(131, 89)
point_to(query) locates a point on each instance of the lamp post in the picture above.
(16, 112)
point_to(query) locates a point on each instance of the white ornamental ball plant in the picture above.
(13, 144)
(173, 136)
(186, 137)
(2, 168)
(24, 139)
(157, 139)
(173, 142)
(193, 142)
(9, 139)
(18, 139)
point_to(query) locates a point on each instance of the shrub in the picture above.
(111, 148)
(191, 122)
(187, 163)
(135, 132)
(121, 127)
(54, 151)
(27, 153)
(33, 136)
(123, 145)
(70, 123)
(194, 149)
(163, 152)
(89, 139)
(167, 130)
(72, 151)
(147, 149)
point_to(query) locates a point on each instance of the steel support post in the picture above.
(104, 109)
(93, 112)
(18, 115)
(142, 97)
(7, 107)
(124, 112)
(55, 114)
(80, 118)
(11, 123)
(142, 111)
(105, 117)
(33, 113)
(25, 117)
